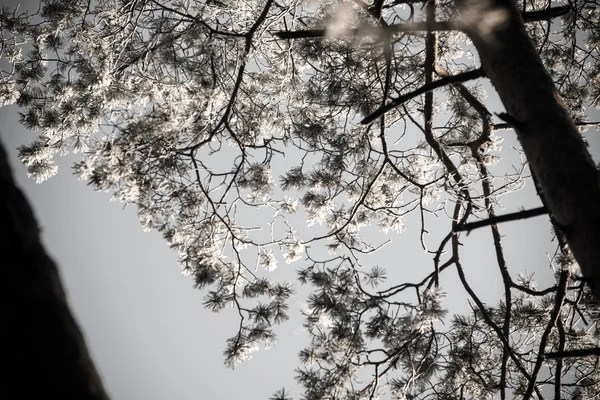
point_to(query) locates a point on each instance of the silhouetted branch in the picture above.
(547, 14)
(462, 77)
(504, 126)
(554, 316)
(559, 363)
(574, 353)
(502, 218)
(369, 30)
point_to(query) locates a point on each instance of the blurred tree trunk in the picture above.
(43, 354)
(557, 155)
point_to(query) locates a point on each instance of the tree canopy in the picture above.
(231, 126)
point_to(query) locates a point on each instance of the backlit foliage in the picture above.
(196, 113)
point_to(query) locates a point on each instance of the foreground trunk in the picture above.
(557, 155)
(42, 351)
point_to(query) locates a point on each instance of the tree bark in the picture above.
(557, 155)
(42, 350)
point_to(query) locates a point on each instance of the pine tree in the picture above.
(368, 113)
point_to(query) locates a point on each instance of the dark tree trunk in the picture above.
(557, 155)
(42, 354)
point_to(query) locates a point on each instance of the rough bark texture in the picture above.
(42, 351)
(557, 155)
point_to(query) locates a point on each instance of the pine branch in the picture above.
(559, 300)
(558, 373)
(462, 77)
(511, 121)
(547, 14)
(437, 26)
(502, 218)
(574, 353)
(369, 30)
(504, 126)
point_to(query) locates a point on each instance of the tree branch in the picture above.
(428, 87)
(574, 353)
(431, 56)
(559, 363)
(534, 212)
(369, 30)
(547, 14)
(438, 26)
(504, 126)
(561, 293)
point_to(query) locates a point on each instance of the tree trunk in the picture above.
(42, 351)
(557, 155)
